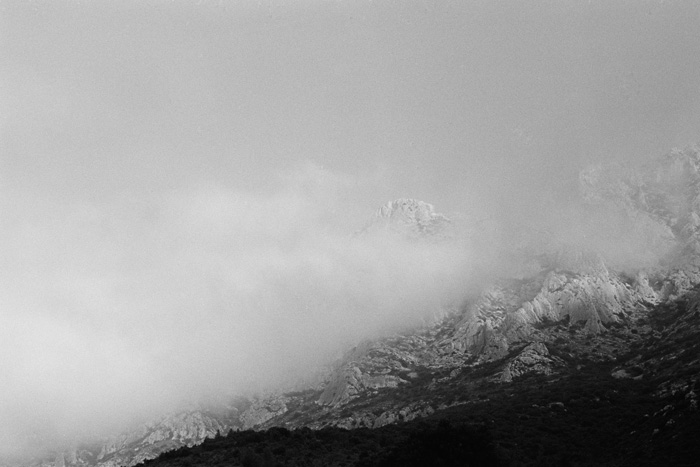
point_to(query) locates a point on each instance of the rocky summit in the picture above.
(577, 363)
(411, 218)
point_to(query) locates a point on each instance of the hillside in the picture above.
(576, 400)
(582, 361)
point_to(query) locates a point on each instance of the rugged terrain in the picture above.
(576, 362)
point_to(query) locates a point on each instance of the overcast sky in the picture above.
(433, 96)
(163, 163)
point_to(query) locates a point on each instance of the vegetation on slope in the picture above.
(586, 418)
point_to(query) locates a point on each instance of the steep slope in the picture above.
(572, 320)
(625, 397)
(575, 311)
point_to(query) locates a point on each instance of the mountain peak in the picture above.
(406, 208)
(411, 217)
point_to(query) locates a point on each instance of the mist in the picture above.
(113, 311)
(180, 183)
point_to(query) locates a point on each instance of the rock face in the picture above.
(511, 312)
(352, 382)
(365, 369)
(591, 299)
(263, 409)
(149, 440)
(534, 358)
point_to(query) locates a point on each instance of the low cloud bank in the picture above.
(115, 311)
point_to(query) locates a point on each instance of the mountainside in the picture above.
(576, 362)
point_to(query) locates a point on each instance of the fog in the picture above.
(116, 309)
(180, 183)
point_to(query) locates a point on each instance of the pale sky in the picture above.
(178, 180)
(110, 97)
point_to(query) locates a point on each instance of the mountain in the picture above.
(411, 218)
(577, 362)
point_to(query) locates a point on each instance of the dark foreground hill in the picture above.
(407, 444)
(587, 418)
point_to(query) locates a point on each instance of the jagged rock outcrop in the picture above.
(263, 409)
(678, 282)
(351, 382)
(590, 299)
(412, 218)
(150, 439)
(534, 358)
(509, 313)
(184, 427)
(366, 368)
(370, 420)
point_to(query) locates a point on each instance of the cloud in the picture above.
(116, 310)
(163, 236)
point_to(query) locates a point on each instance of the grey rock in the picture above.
(534, 358)
(263, 410)
(411, 218)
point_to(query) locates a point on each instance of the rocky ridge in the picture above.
(572, 313)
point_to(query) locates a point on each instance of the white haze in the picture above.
(180, 181)
(116, 310)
